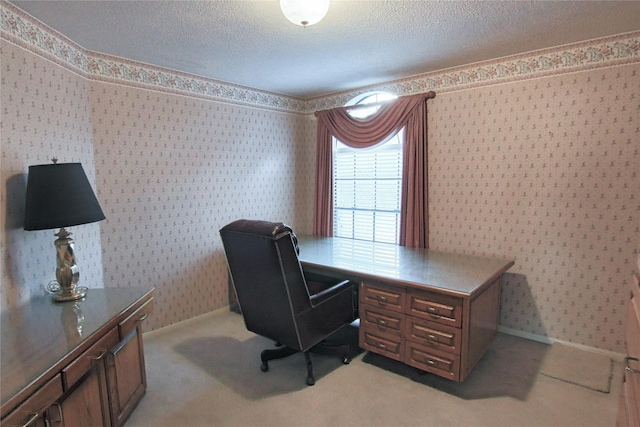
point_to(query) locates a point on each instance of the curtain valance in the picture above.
(374, 129)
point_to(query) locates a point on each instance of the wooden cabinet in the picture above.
(100, 377)
(629, 409)
(429, 329)
(85, 401)
(126, 373)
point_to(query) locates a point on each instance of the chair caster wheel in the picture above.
(346, 360)
(311, 381)
(264, 367)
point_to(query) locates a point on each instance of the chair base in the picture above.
(324, 347)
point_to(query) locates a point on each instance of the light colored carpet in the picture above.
(583, 368)
(207, 373)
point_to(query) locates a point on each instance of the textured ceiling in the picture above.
(359, 43)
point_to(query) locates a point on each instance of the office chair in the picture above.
(277, 300)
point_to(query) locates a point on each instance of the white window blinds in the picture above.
(367, 191)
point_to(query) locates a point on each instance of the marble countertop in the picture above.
(35, 336)
(449, 272)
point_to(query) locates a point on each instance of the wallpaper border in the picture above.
(586, 55)
(24, 30)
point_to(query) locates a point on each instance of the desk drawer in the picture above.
(381, 320)
(388, 345)
(433, 334)
(383, 296)
(438, 308)
(33, 408)
(132, 321)
(428, 359)
(76, 369)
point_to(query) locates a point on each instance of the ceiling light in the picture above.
(304, 12)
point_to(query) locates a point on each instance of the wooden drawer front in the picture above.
(33, 408)
(384, 344)
(431, 360)
(632, 333)
(76, 369)
(383, 296)
(131, 322)
(631, 392)
(436, 307)
(432, 334)
(384, 321)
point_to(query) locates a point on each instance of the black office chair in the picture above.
(278, 300)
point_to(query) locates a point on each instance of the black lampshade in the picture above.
(59, 195)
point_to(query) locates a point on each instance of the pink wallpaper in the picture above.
(546, 172)
(45, 114)
(534, 157)
(173, 170)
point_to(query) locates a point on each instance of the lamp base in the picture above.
(78, 292)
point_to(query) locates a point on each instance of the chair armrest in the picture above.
(327, 292)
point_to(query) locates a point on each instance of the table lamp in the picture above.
(58, 196)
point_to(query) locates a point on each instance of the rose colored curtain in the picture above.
(409, 112)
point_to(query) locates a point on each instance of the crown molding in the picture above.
(23, 30)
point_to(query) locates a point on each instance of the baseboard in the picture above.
(502, 329)
(548, 340)
(186, 322)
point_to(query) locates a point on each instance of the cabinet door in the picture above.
(127, 378)
(125, 366)
(83, 404)
(86, 401)
(631, 385)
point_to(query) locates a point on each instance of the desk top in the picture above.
(424, 268)
(37, 335)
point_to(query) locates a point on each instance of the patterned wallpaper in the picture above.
(169, 171)
(35, 36)
(45, 113)
(173, 170)
(546, 172)
(533, 157)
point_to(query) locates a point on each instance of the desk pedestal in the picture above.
(435, 332)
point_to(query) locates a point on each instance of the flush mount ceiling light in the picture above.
(304, 12)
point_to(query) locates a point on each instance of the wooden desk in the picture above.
(433, 310)
(629, 407)
(74, 363)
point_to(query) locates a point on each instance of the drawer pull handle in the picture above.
(380, 345)
(31, 420)
(432, 311)
(431, 362)
(382, 298)
(101, 354)
(60, 416)
(143, 316)
(431, 337)
(382, 322)
(629, 368)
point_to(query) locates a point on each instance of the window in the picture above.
(367, 185)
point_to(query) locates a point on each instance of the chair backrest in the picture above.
(267, 276)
